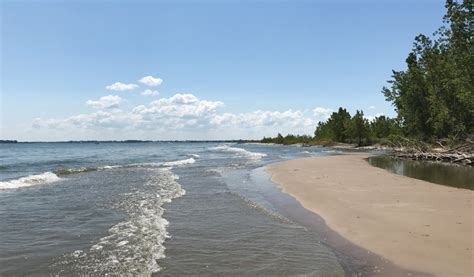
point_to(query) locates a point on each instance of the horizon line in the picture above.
(127, 141)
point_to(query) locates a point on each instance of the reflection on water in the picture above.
(443, 174)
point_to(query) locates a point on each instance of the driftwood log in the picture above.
(461, 154)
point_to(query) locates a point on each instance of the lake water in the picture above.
(439, 173)
(152, 208)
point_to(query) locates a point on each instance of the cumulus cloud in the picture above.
(149, 92)
(180, 111)
(185, 113)
(371, 107)
(151, 81)
(101, 119)
(105, 102)
(263, 118)
(372, 117)
(179, 105)
(322, 113)
(118, 86)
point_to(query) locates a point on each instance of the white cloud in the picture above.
(371, 107)
(151, 81)
(181, 98)
(149, 92)
(322, 113)
(372, 117)
(118, 86)
(105, 102)
(181, 116)
(180, 111)
(101, 119)
(179, 105)
(263, 118)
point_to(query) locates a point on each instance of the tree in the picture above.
(434, 95)
(279, 139)
(335, 128)
(383, 127)
(340, 123)
(359, 128)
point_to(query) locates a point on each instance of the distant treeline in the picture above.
(289, 139)
(433, 97)
(342, 127)
(8, 141)
(136, 141)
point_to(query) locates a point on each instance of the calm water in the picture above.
(443, 174)
(151, 208)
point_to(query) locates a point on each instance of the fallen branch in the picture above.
(462, 154)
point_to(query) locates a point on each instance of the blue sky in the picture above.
(229, 69)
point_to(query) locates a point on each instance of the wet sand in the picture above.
(416, 225)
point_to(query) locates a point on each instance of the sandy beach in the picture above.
(415, 224)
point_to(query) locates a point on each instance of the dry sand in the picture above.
(415, 224)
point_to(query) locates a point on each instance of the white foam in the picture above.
(332, 151)
(134, 245)
(105, 167)
(143, 165)
(43, 178)
(122, 243)
(180, 162)
(240, 151)
(132, 165)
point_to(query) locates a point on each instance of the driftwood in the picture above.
(462, 154)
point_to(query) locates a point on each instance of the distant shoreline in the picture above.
(134, 141)
(415, 224)
(332, 145)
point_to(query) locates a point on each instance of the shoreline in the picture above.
(355, 260)
(336, 145)
(361, 203)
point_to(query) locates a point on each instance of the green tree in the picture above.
(323, 132)
(279, 139)
(339, 123)
(434, 95)
(335, 128)
(359, 128)
(383, 127)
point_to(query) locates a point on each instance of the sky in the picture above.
(180, 70)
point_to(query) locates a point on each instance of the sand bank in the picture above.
(415, 224)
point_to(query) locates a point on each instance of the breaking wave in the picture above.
(240, 151)
(179, 162)
(67, 171)
(333, 151)
(43, 178)
(134, 245)
(48, 177)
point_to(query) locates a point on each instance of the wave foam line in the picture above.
(38, 179)
(68, 171)
(179, 162)
(240, 151)
(132, 247)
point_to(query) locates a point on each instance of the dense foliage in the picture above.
(433, 97)
(342, 127)
(289, 139)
